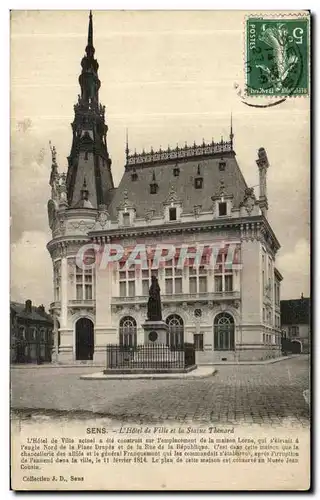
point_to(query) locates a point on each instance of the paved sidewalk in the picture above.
(199, 372)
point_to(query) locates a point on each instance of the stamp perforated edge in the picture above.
(303, 14)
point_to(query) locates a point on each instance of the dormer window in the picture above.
(222, 165)
(176, 171)
(172, 213)
(126, 219)
(134, 175)
(153, 185)
(222, 208)
(198, 181)
(153, 188)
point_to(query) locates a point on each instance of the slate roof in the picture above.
(139, 190)
(295, 311)
(35, 315)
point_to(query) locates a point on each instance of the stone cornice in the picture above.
(258, 226)
(80, 213)
(63, 242)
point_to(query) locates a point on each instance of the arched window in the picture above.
(175, 335)
(224, 332)
(128, 332)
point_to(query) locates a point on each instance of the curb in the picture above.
(151, 376)
(247, 363)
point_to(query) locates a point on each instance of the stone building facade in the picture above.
(296, 325)
(225, 297)
(31, 333)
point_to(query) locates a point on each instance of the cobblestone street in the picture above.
(262, 394)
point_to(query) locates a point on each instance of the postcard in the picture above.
(160, 333)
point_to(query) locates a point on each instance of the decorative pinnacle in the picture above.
(231, 132)
(89, 47)
(53, 153)
(127, 144)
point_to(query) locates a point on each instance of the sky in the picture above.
(169, 77)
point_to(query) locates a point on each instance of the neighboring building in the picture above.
(189, 196)
(295, 323)
(31, 339)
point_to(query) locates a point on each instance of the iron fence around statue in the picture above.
(149, 357)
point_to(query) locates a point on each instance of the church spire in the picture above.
(89, 154)
(231, 132)
(90, 47)
(89, 80)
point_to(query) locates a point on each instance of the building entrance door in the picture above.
(84, 339)
(296, 347)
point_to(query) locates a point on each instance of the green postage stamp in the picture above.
(277, 56)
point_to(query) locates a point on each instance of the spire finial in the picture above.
(127, 144)
(90, 30)
(231, 132)
(89, 47)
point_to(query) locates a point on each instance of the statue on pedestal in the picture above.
(154, 302)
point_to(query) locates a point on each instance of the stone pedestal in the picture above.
(155, 332)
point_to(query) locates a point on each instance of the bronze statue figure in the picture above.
(154, 302)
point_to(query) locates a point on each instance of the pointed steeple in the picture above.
(127, 145)
(89, 81)
(231, 132)
(90, 47)
(89, 151)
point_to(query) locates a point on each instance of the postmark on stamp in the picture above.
(277, 56)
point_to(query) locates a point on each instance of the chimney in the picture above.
(263, 165)
(41, 309)
(28, 306)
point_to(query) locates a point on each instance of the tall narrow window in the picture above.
(198, 341)
(173, 278)
(127, 282)
(223, 332)
(57, 280)
(198, 278)
(84, 284)
(223, 277)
